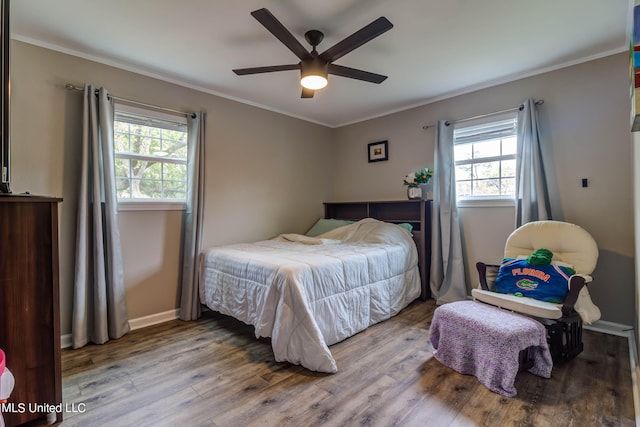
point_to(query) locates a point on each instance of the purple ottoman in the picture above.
(485, 341)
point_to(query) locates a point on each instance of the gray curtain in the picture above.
(447, 280)
(193, 218)
(99, 309)
(532, 194)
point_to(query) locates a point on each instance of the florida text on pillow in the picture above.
(542, 282)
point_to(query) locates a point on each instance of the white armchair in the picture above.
(570, 244)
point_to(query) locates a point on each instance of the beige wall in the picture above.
(265, 173)
(636, 208)
(268, 173)
(585, 120)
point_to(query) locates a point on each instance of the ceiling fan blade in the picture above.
(277, 29)
(353, 73)
(307, 93)
(268, 69)
(357, 39)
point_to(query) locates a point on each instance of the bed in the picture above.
(307, 293)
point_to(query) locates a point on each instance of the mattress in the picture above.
(309, 293)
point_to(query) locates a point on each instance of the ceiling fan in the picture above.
(315, 67)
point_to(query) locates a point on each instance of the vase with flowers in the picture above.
(416, 183)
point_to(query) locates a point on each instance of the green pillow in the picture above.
(324, 225)
(407, 226)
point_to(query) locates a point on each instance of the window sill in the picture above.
(150, 205)
(489, 202)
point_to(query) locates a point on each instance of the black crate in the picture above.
(564, 337)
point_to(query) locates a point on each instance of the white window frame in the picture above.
(463, 137)
(143, 204)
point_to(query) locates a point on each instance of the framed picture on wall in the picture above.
(378, 151)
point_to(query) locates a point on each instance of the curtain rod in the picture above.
(70, 86)
(448, 122)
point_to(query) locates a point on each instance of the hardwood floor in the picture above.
(213, 372)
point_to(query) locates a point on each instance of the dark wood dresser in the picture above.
(29, 305)
(415, 212)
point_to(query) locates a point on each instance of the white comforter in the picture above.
(308, 293)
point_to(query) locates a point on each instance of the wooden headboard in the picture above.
(415, 212)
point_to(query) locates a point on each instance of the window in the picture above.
(150, 155)
(485, 159)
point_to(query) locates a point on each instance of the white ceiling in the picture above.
(437, 48)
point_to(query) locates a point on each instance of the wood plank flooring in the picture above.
(214, 372)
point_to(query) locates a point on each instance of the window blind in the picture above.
(148, 121)
(138, 116)
(486, 131)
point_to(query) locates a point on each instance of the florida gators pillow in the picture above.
(548, 283)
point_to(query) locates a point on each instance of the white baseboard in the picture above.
(610, 328)
(65, 341)
(137, 323)
(154, 319)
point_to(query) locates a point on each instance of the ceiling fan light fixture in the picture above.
(315, 67)
(313, 82)
(313, 74)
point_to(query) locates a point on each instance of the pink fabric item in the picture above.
(481, 340)
(2, 366)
